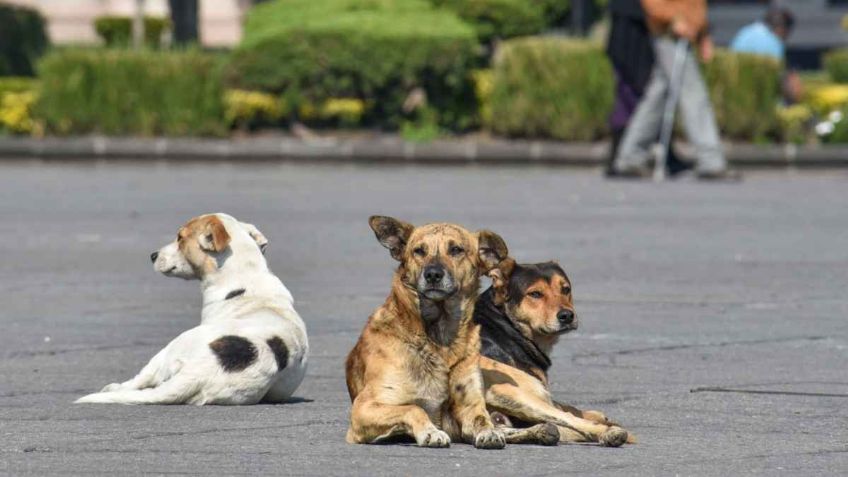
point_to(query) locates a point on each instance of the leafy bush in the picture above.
(22, 40)
(377, 51)
(552, 88)
(745, 90)
(499, 19)
(836, 64)
(117, 31)
(131, 92)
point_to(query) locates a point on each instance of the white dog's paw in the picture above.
(111, 387)
(490, 439)
(433, 438)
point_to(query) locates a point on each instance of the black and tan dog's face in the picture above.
(537, 297)
(439, 260)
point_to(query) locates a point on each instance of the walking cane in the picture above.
(681, 51)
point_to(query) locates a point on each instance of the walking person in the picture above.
(668, 21)
(631, 53)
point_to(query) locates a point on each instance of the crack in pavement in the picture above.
(765, 391)
(611, 355)
(32, 354)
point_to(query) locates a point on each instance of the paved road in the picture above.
(678, 286)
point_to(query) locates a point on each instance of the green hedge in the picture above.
(745, 90)
(836, 64)
(22, 40)
(116, 31)
(378, 51)
(499, 19)
(551, 88)
(131, 92)
(562, 89)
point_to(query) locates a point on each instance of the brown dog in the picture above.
(522, 317)
(415, 370)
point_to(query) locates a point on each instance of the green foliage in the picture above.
(836, 64)
(131, 92)
(378, 51)
(745, 91)
(22, 40)
(555, 12)
(116, 31)
(551, 88)
(499, 19)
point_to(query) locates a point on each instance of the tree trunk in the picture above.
(184, 16)
(138, 25)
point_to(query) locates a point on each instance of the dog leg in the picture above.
(372, 422)
(594, 416)
(469, 406)
(177, 390)
(513, 401)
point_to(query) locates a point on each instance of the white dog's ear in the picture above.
(213, 236)
(257, 236)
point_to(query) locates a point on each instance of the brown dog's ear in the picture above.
(491, 249)
(500, 276)
(214, 236)
(391, 233)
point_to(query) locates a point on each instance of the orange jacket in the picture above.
(661, 14)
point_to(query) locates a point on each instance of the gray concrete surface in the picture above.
(679, 286)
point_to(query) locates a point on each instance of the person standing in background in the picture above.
(668, 21)
(767, 37)
(631, 53)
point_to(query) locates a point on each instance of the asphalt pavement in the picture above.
(714, 317)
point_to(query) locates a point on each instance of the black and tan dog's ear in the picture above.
(500, 276)
(214, 236)
(256, 235)
(391, 233)
(491, 250)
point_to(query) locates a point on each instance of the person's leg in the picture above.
(635, 148)
(699, 120)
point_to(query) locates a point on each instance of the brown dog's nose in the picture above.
(565, 317)
(153, 256)
(433, 274)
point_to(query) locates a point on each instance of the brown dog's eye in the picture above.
(566, 290)
(535, 294)
(419, 251)
(456, 250)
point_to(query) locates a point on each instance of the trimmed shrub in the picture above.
(836, 64)
(17, 96)
(551, 88)
(131, 92)
(117, 31)
(22, 40)
(377, 51)
(745, 91)
(499, 19)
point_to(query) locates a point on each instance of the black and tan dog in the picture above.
(415, 370)
(522, 315)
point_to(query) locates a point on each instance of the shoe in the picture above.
(722, 175)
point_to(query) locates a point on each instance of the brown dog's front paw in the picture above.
(490, 439)
(613, 437)
(433, 438)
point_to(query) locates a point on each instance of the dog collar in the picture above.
(235, 293)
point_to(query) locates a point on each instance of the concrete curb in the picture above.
(386, 148)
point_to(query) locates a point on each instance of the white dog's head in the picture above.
(205, 243)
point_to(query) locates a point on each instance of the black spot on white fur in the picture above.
(234, 352)
(235, 293)
(281, 352)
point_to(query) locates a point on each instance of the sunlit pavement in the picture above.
(678, 286)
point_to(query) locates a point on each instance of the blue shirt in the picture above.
(758, 39)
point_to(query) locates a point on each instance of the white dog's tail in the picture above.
(177, 390)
